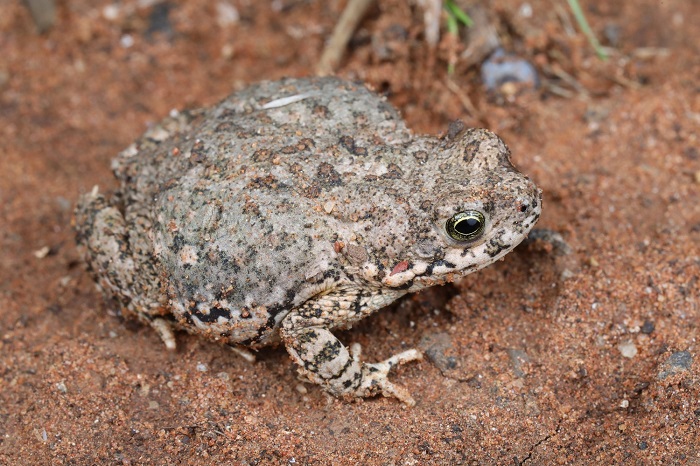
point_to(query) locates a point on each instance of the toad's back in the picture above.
(237, 201)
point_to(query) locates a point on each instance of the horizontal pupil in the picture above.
(468, 225)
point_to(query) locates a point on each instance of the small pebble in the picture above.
(627, 349)
(517, 358)
(42, 252)
(500, 69)
(678, 362)
(226, 14)
(126, 41)
(111, 12)
(43, 13)
(648, 327)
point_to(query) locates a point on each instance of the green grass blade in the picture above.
(458, 13)
(586, 29)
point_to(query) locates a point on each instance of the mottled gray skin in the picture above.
(293, 208)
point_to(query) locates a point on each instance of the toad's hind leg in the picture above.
(103, 241)
(324, 360)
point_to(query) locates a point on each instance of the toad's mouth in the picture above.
(424, 275)
(457, 263)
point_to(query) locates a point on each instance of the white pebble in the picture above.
(627, 349)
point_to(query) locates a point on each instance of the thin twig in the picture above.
(463, 98)
(431, 19)
(344, 29)
(568, 79)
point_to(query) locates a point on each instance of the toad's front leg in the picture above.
(324, 360)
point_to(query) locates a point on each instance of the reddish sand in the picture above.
(549, 357)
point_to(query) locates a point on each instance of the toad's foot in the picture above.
(165, 331)
(375, 376)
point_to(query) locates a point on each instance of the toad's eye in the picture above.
(466, 226)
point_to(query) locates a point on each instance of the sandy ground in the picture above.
(576, 349)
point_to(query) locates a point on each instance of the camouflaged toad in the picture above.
(293, 208)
